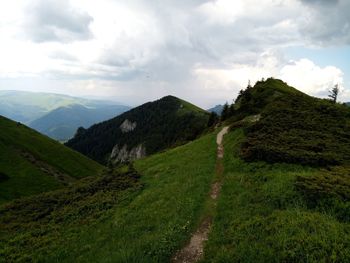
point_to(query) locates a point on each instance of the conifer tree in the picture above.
(334, 93)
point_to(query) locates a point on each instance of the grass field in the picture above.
(261, 217)
(21, 177)
(143, 225)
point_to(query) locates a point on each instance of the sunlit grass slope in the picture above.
(20, 176)
(146, 225)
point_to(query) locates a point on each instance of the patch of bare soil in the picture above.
(193, 251)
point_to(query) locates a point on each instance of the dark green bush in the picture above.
(3, 177)
(328, 191)
(300, 129)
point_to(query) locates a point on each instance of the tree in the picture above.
(334, 93)
(213, 119)
(249, 85)
(225, 112)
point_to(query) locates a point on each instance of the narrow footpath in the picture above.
(193, 251)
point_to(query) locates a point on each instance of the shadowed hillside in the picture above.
(31, 163)
(144, 130)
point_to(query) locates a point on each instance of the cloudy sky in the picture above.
(203, 51)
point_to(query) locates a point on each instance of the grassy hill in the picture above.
(264, 216)
(150, 128)
(31, 163)
(293, 126)
(285, 196)
(291, 206)
(62, 123)
(141, 215)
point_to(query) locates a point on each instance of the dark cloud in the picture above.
(320, 2)
(50, 20)
(328, 23)
(189, 39)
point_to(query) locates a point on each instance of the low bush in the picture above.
(35, 222)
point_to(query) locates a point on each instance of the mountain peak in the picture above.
(157, 125)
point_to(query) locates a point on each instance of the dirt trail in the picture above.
(193, 251)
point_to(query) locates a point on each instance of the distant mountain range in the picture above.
(55, 115)
(217, 109)
(149, 128)
(62, 123)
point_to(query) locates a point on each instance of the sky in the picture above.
(202, 51)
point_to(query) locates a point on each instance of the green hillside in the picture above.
(31, 163)
(263, 216)
(119, 217)
(284, 181)
(285, 196)
(294, 127)
(154, 126)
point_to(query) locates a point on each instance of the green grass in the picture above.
(189, 107)
(22, 178)
(26, 178)
(142, 226)
(31, 227)
(261, 217)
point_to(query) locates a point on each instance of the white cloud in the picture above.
(204, 51)
(302, 74)
(222, 11)
(310, 78)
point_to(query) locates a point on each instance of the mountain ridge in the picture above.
(62, 123)
(43, 111)
(156, 126)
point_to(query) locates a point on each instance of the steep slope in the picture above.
(31, 163)
(62, 123)
(144, 130)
